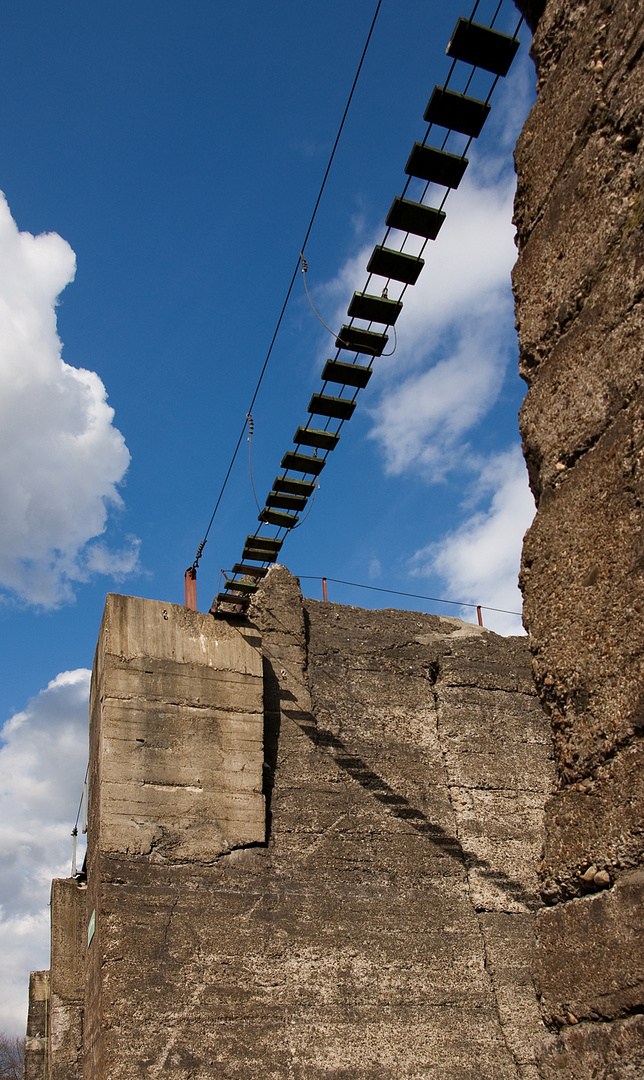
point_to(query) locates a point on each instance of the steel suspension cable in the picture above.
(409, 180)
(282, 529)
(290, 288)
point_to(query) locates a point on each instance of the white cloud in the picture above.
(422, 422)
(513, 98)
(455, 327)
(43, 757)
(479, 561)
(467, 271)
(60, 455)
(454, 338)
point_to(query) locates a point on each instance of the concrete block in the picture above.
(177, 726)
(35, 1064)
(590, 954)
(600, 1051)
(68, 942)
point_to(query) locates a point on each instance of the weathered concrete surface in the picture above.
(612, 1051)
(177, 713)
(599, 942)
(579, 283)
(385, 926)
(176, 756)
(35, 1067)
(67, 980)
(596, 823)
(532, 10)
(448, 711)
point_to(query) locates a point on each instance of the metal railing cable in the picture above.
(401, 592)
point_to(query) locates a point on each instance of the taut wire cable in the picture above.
(399, 592)
(290, 288)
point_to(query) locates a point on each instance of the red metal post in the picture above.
(480, 614)
(324, 595)
(190, 587)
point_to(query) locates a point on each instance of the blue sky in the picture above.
(160, 167)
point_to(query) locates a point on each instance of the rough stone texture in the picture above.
(447, 712)
(67, 981)
(598, 822)
(599, 943)
(531, 10)
(35, 1067)
(579, 283)
(176, 756)
(611, 1051)
(177, 711)
(384, 923)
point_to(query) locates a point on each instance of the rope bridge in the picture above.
(372, 312)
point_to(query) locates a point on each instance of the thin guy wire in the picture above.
(290, 288)
(80, 805)
(399, 592)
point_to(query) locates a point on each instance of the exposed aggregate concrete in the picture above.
(383, 924)
(579, 287)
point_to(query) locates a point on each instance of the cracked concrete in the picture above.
(417, 722)
(579, 286)
(382, 926)
(178, 716)
(382, 923)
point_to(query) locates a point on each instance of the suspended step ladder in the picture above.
(480, 47)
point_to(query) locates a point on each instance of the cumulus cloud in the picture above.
(61, 458)
(468, 266)
(479, 561)
(454, 338)
(422, 423)
(453, 344)
(43, 758)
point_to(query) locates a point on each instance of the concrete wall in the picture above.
(35, 1067)
(312, 843)
(176, 755)
(579, 283)
(67, 979)
(375, 916)
(339, 880)
(411, 864)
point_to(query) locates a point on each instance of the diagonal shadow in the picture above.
(400, 807)
(397, 805)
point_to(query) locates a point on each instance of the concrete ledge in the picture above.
(596, 1052)
(590, 954)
